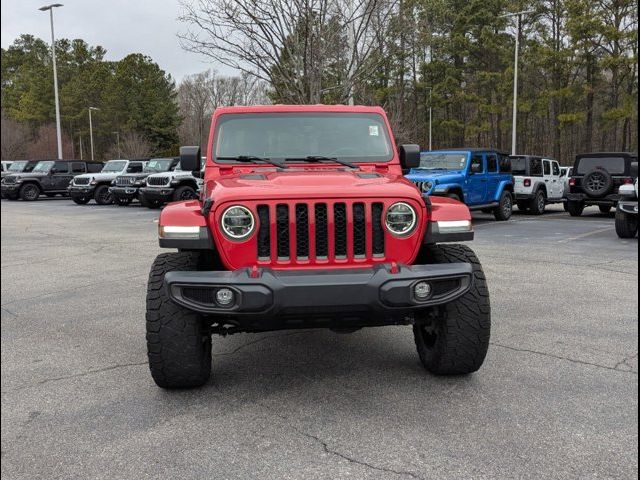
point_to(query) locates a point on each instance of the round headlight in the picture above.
(401, 219)
(237, 222)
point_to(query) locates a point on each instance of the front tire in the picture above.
(575, 209)
(504, 210)
(80, 200)
(102, 195)
(184, 193)
(178, 340)
(29, 192)
(454, 340)
(626, 225)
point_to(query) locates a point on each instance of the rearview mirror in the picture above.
(409, 156)
(190, 159)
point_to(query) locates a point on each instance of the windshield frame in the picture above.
(382, 130)
(445, 154)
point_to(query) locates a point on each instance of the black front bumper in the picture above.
(81, 191)
(10, 189)
(607, 200)
(128, 193)
(266, 299)
(161, 194)
(628, 206)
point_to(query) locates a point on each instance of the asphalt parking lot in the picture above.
(556, 398)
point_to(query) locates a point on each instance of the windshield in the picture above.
(519, 166)
(443, 161)
(158, 165)
(43, 167)
(17, 166)
(354, 137)
(614, 165)
(113, 166)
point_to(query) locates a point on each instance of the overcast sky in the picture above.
(120, 26)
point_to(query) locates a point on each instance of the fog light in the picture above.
(422, 290)
(224, 297)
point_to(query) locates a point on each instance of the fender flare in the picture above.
(442, 212)
(505, 185)
(34, 181)
(185, 214)
(449, 188)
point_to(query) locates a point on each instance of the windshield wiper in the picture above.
(251, 158)
(319, 158)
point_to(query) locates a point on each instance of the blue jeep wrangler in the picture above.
(480, 178)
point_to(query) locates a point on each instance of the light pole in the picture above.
(514, 132)
(430, 119)
(91, 130)
(117, 134)
(55, 75)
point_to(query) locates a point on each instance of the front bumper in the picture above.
(11, 189)
(128, 193)
(80, 190)
(266, 299)
(628, 206)
(162, 194)
(611, 199)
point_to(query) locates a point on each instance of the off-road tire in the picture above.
(149, 203)
(626, 225)
(575, 209)
(523, 206)
(29, 192)
(455, 340)
(178, 340)
(605, 209)
(101, 197)
(504, 210)
(597, 183)
(80, 200)
(185, 192)
(539, 203)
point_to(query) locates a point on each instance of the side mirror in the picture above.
(190, 159)
(409, 156)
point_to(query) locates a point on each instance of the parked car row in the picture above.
(153, 182)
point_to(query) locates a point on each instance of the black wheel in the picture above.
(102, 195)
(123, 202)
(80, 200)
(454, 196)
(29, 192)
(575, 209)
(178, 340)
(504, 211)
(184, 193)
(454, 340)
(539, 203)
(523, 206)
(597, 183)
(565, 205)
(148, 203)
(605, 208)
(626, 224)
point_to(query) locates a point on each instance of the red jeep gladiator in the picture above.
(305, 221)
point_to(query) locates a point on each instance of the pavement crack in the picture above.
(625, 362)
(77, 375)
(6, 310)
(569, 359)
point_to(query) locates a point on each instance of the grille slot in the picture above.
(264, 238)
(310, 232)
(81, 181)
(282, 231)
(125, 181)
(378, 232)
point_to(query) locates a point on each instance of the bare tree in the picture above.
(45, 144)
(15, 137)
(302, 48)
(132, 145)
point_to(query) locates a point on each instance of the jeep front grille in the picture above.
(125, 181)
(320, 231)
(159, 181)
(81, 181)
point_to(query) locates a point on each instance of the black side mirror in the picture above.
(190, 159)
(409, 156)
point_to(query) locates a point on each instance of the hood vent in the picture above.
(253, 176)
(368, 175)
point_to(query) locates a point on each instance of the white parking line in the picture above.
(585, 235)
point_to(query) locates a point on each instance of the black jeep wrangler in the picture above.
(48, 177)
(597, 178)
(124, 188)
(19, 166)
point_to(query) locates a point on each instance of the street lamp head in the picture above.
(94, 108)
(517, 14)
(49, 7)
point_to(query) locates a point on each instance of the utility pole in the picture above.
(514, 132)
(351, 41)
(430, 117)
(91, 131)
(117, 134)
(55, 75)
(81, 147)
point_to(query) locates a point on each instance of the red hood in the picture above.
(308, 183)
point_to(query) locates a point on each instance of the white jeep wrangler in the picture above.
(627, 211)
(538, 182)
